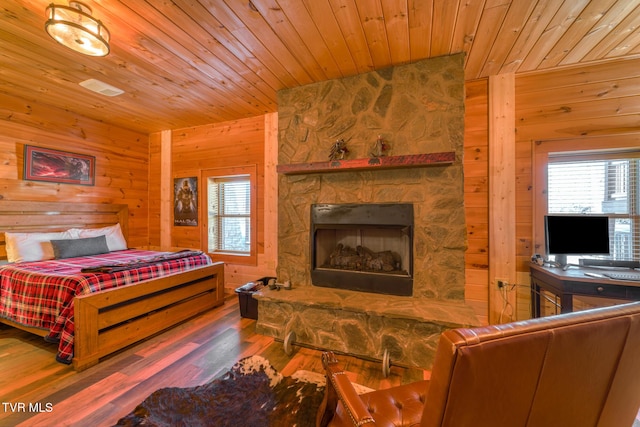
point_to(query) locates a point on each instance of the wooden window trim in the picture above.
(582, 147)
(251, 171)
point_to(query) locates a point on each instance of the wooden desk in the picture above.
(565, 284)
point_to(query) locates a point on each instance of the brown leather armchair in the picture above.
(576, 369)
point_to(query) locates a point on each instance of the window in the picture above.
(230, 220)
(229, 214)
(597, 183)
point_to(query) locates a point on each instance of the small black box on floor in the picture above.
(248, 305)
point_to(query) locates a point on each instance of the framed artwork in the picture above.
(45, 164)
(185, 205)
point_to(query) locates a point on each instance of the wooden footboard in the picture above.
(111, 320)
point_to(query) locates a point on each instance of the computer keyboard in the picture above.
(617, 275)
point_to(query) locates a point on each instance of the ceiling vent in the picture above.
(101, 87)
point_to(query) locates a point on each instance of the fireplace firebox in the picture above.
(363, 247)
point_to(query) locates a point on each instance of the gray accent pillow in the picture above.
(70, 248)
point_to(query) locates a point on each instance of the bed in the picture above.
(111, 300)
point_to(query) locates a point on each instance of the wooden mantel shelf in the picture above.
(388, 162)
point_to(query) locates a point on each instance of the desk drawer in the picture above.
(599, 289)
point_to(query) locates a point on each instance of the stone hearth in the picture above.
(361, 324)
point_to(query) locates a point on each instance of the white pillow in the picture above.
(115, 238)
(33, 246)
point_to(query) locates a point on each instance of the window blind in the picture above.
(600, 184)
(229, 214)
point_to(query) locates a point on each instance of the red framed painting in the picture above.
(44, 164)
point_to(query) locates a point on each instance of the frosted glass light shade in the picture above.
(74, 27)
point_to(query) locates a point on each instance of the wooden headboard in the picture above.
(26, 216)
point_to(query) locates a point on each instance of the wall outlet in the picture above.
(502, 283)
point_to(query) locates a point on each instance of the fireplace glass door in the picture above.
(366, 249)
(363, 247)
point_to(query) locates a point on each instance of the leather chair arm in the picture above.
(339, 388)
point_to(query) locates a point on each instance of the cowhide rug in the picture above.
(252, 393)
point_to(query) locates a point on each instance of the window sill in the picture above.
(228, 258)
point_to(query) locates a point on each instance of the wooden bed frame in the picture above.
(110, 320)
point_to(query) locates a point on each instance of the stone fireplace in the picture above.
(416, 109)
(365, 247)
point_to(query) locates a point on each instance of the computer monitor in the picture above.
(576, 235)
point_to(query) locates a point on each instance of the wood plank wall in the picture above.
(476, 197)
(234, 143)
(122, 160)
(595, 101)
(501, 194)
(155, 190)
(575, 102)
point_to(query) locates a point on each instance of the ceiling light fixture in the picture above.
(74, 27)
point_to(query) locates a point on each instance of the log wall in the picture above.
(569, 104)
(574, 103)
(476, 197)
(122, 160)
(580, 102)
(226, 144)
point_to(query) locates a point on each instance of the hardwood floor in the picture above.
(35, 390)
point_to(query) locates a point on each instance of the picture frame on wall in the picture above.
(62, 167)
(185, 205)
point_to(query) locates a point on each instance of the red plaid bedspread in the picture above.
(40, 294)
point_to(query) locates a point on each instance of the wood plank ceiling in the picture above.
(185, 63)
